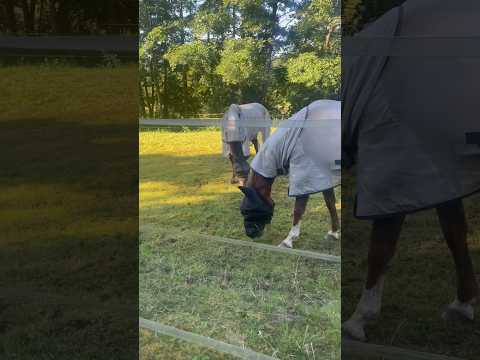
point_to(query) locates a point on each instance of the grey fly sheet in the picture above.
(243, 123)
(410, 116)
(306, 147)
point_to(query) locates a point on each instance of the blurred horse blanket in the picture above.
(306, 147)
(411, 104)
(243, 123)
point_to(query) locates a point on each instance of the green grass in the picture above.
(184, 185)
(420, 282)
(275, 304)
(154, 347)
(68, 208)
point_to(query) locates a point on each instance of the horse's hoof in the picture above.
(284, 245)
(353, 331)
(458, 312)
(332, 235)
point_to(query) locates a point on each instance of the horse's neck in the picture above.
(262, 185)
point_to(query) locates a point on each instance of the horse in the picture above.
(306, 148)
(413, 148)
(241, 126)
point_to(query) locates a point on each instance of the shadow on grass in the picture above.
(420, 282)
(70, 205)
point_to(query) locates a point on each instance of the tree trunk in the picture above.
(269, 47)
(326, 44)
(234, 23)
(62, 18)
(186, 98)
(143, 103)
(52, 16)
(28, 7)
(148, 99)
(41, 14)
(10, 21)
(165, 90)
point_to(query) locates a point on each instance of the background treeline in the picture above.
(68, 16)
(197, 57)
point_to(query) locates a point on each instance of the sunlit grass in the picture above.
(275, 304)
(154, 347)
(184, 184)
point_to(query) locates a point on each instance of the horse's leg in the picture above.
(240, 166)
(298, 211)
(454, 227)
(234, 179)
(255, 145)
(330, 202)
(384, 237)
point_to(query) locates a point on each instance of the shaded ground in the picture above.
(420, 282)
(69, 213)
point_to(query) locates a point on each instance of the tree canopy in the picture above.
(197, 57)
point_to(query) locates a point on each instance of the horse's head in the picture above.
(257, 206)
(240, 165)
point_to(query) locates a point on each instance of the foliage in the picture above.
(312, 71)
(198, 57)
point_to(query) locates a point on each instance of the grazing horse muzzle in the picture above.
(241, 168)
(254, 230)
(255, 211)
(240, 165)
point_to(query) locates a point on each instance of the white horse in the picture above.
(241, 125)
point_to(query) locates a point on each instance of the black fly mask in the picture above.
(256, 212)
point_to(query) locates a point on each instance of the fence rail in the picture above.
(302, 253)
(217, 122)
(68, 46)
(236, 351)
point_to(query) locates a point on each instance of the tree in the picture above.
(198, 57)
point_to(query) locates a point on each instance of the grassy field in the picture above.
(69, 212)
(275, 304)
(184, 185)
(154, 346)
(420, 282)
